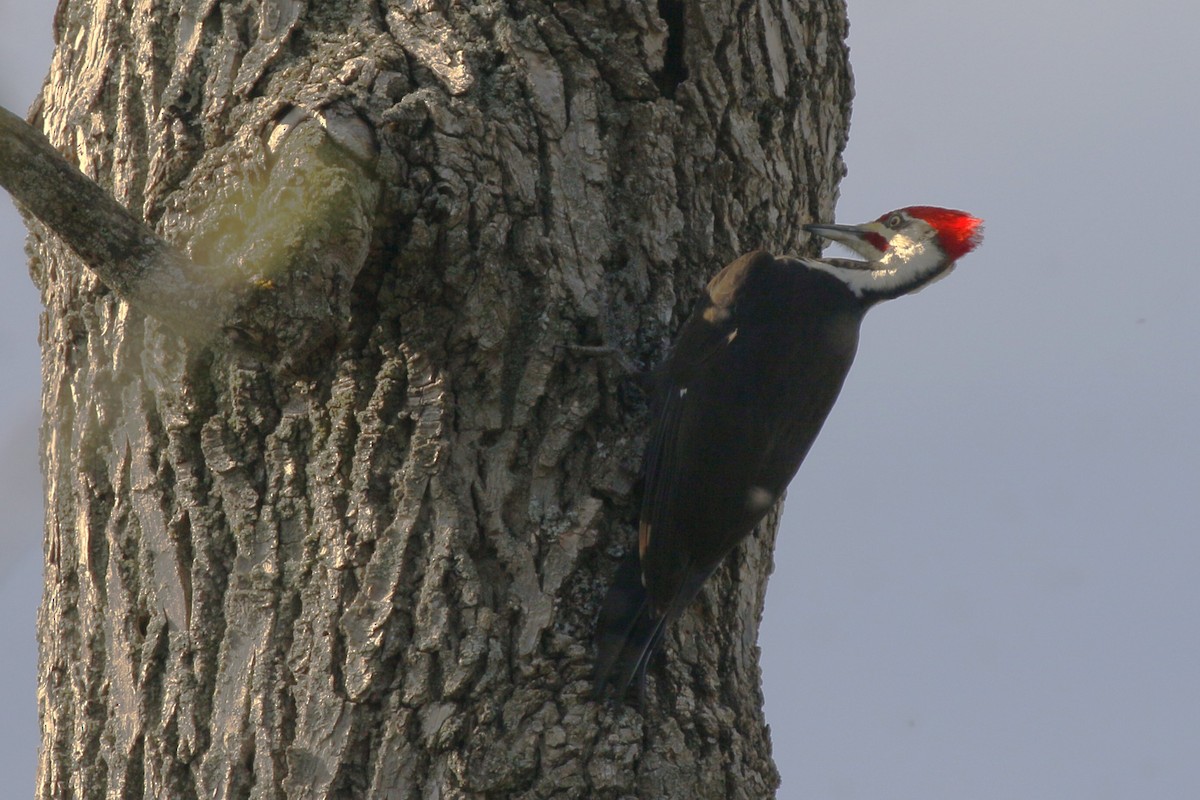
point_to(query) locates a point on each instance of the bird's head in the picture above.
(904, 249)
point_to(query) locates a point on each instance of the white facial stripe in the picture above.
(907, 262)
(903, 249)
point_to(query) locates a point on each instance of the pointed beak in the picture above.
(862, 239)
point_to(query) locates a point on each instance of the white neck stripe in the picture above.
(891, 274)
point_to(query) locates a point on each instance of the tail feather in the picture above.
(627, 634)
(629, 630)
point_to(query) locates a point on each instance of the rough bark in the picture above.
(354, 548)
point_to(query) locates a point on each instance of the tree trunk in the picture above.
(354, 547)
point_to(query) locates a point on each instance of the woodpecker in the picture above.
(738, 402)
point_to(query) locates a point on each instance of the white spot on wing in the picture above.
(759, 499)
(683, 392)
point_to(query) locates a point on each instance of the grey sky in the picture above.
(24, 58)
(986, 582)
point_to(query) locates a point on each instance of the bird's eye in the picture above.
(894, 221)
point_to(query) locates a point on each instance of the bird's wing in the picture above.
(706, 334)
(659, 465)
(707, 331)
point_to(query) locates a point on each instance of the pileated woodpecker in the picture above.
(743, 394)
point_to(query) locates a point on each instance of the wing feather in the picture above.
(706, 335)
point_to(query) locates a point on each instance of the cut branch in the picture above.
(132, 260)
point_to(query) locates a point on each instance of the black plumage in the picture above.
(739, 401)
(753, 374)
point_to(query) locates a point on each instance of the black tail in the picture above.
(627, 634)
(629, 630)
